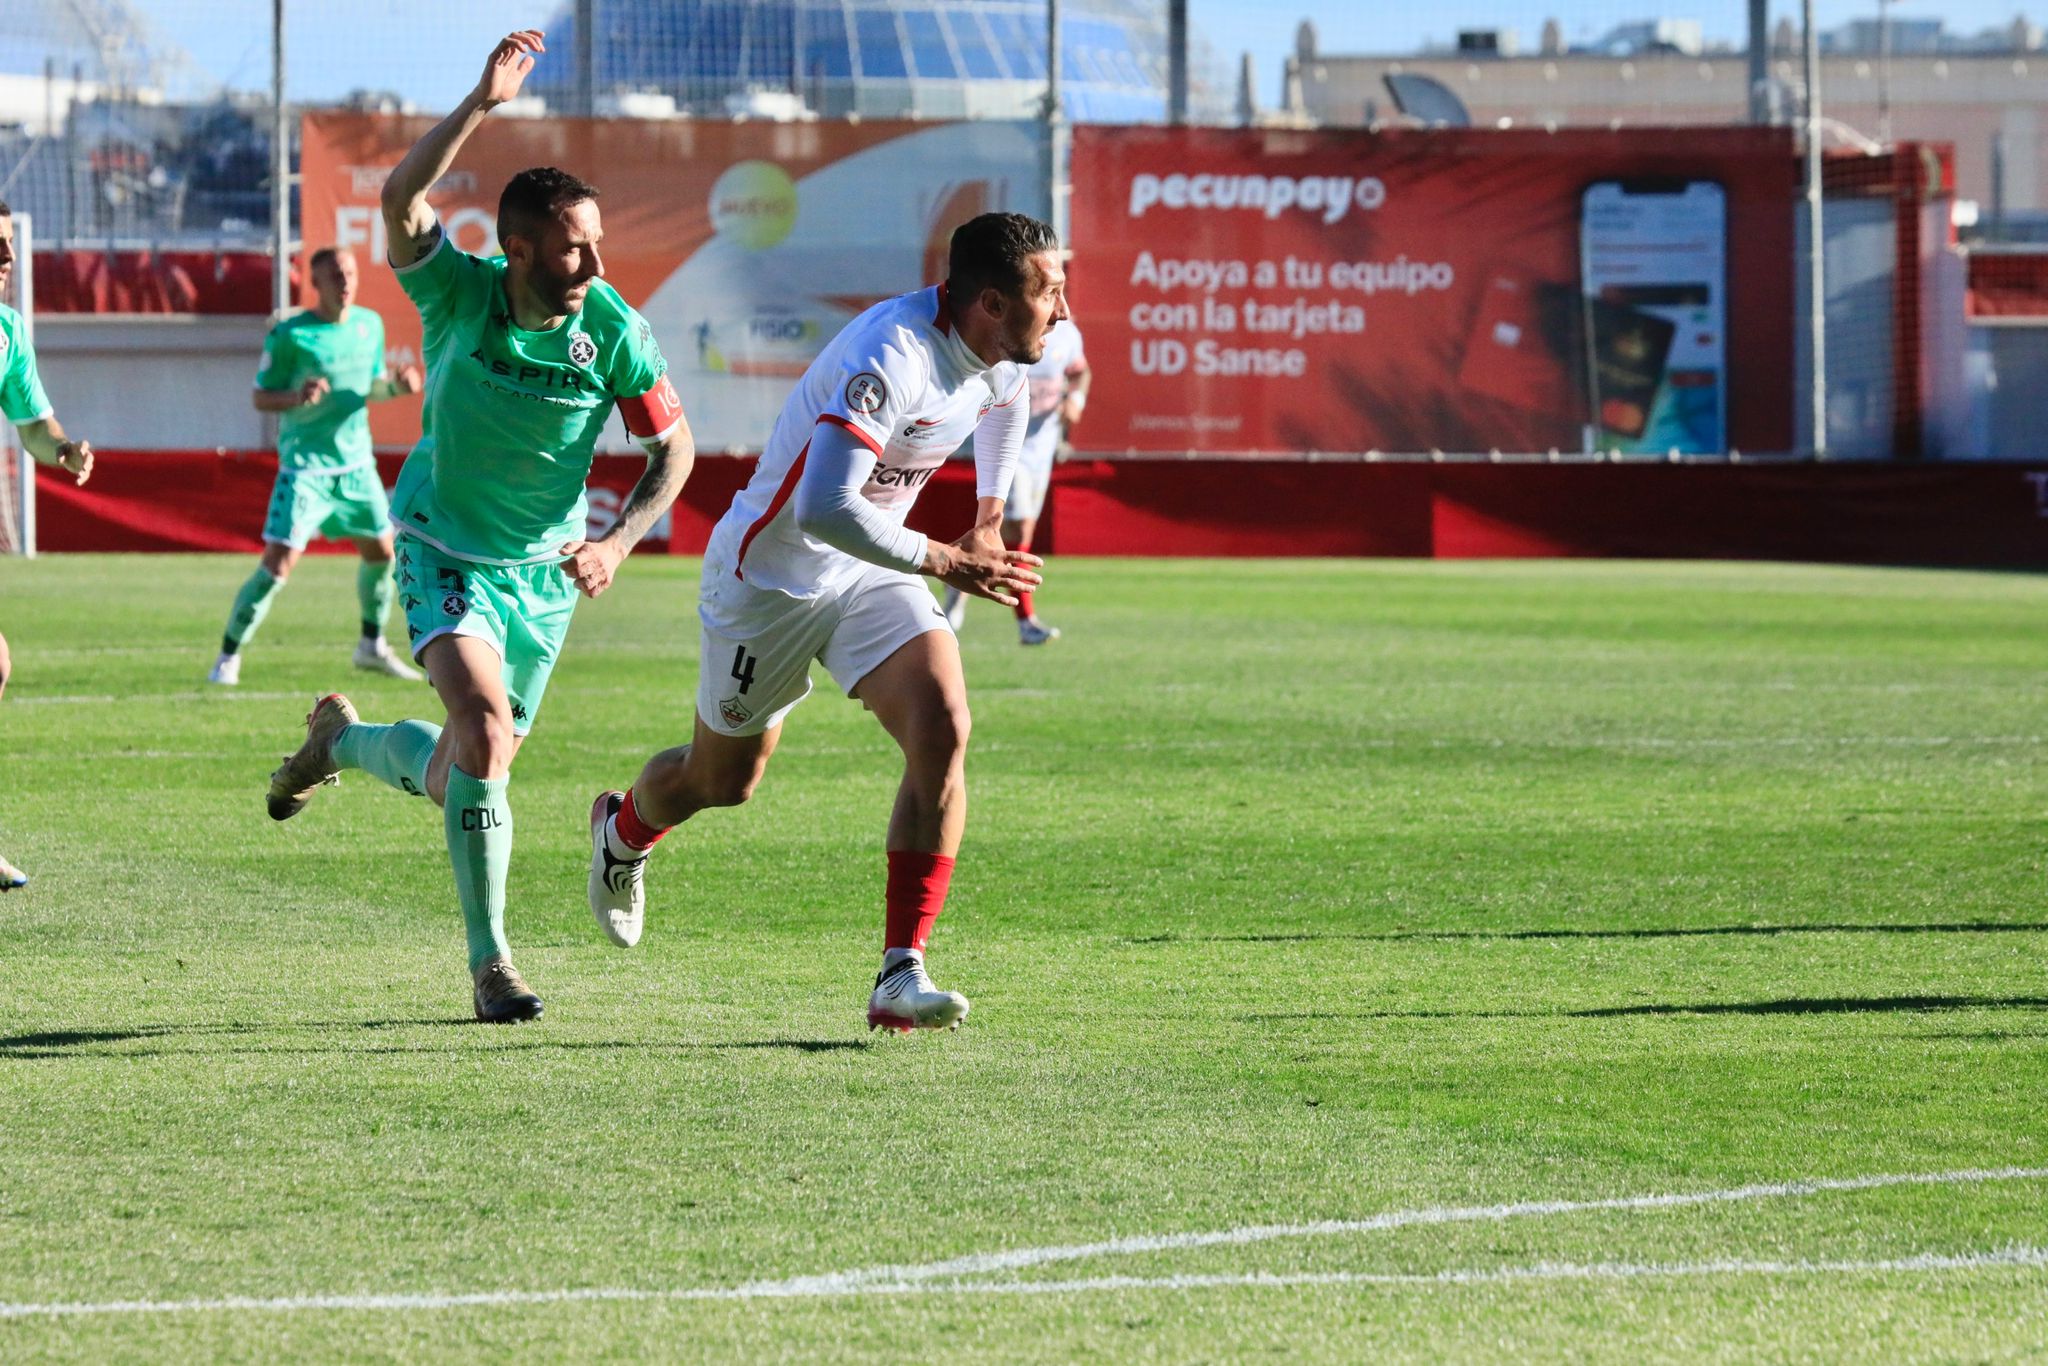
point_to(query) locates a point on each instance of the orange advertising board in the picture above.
(746, 245)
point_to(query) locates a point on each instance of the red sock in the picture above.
(916, 895)
(1024, 612)
(634, 832)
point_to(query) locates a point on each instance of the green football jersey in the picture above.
(512, 416)
(22, 399)
(333, 434)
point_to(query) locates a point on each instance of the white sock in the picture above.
(620, 849)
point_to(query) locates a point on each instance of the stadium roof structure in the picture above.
(882, 58)
(107, 43)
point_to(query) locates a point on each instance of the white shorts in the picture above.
(755, 662)
(1028, 483)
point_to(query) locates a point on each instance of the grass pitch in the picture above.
(1293, 892)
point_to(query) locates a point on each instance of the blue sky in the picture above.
(337, 46)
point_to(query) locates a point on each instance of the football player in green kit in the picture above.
(322, 367)
(527, 354)
(23, 402)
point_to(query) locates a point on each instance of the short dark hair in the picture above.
(328, 255)
(535, 197)
(5, 212)
(989, 252)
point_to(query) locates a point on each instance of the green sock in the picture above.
(479, 825)
(252, 604)
(374, 591)
(395, 755)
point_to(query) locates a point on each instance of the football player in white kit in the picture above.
(1059, 395)
(812, 561)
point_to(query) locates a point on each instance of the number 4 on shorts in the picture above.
(743, 667)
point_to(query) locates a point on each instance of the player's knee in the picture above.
(485, 742)
(949, 727)
(731, 788)
(938, 742)
(279, 560)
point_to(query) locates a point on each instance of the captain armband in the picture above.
(654, 414)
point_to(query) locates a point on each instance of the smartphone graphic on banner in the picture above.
(1653, 277)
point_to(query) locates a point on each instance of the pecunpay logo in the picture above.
(1330, 196)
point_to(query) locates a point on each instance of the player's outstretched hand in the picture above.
(506, 69)
(590, 565)
(979, 564)
(313, 390)
(409, 379)
(75, 458)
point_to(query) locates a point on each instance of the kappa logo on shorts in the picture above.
(454, 605)
(865, 392)
(735, 712)
(582, 349)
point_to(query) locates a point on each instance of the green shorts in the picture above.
(344, 506)
(522, 610)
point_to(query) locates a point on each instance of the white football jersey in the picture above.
(1050, 379)
(901, 380)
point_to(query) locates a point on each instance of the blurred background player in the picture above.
(23, 402)
(322, 368)
(1059, 395)
(527, 353)
(813, 561)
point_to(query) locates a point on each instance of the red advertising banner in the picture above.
(747, 246)
(1412, 290)
(1937, 513)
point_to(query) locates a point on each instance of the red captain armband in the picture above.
(654, 412)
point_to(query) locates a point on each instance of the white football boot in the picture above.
(1032, 631)
(378, 657)
(11, 877)
(905, 999)
(955, 609)
(618, 886)
(227, 671)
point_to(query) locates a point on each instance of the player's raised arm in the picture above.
(408, 219)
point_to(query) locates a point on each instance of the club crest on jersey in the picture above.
(865, 392)
(454, 605)
(582, 349)
(735, 712)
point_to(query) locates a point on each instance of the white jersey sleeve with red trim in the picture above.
(876, 381)
(999, 436)
(1077, 355)
(830, 508)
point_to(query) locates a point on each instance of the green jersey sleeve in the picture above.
(22, 399)
(280, 360)
(446, 283)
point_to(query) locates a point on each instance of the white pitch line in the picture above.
(1542, 1271)
(983, 1263)
(944, 1277)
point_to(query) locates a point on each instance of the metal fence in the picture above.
(148, 122)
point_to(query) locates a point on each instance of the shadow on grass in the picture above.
(1402, 936)
(64, 1043)
(1791, 1005)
